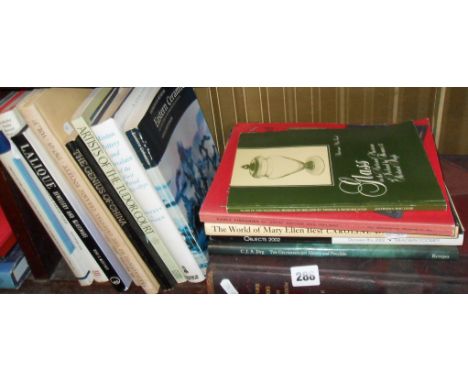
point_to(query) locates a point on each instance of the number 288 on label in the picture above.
(307, 275)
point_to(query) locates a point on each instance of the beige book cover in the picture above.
(47, 121)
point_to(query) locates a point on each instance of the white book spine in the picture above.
(88, 259)
(158, 182)
(400, 240)
(120, 151)
(127, 197)
(45, 210)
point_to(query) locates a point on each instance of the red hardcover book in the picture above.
(213, 209)
(10, 99)
(7, 238)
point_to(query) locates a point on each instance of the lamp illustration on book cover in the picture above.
(279, 166)
(308, 165)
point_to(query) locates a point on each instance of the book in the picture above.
(213, 209)
(39, 199)
(294, 274)
(322, 247)
(140, 230)
(55, 137)
(39, 249)
(7, 237)
(175, 146)
(43, 207)
(119, 149)
(252, 233)
(270, 234)
(32, 182)
(89, 254)
(461, 202)
(37, 111)
(14, 269)
(355, 169)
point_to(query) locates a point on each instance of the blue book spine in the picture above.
(14, 269)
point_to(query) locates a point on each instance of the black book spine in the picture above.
(268, 239)
(57, 195)
(123, 217)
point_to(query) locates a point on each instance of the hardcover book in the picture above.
(52, 107)
(354, 169)
(324, 249)
(136, 224)
(438, 222)
(271, 234)
(120, 252)
(7, 237)
(283, 274)
(175, 146)
(38, 198)
(115, 142)
(14, 269)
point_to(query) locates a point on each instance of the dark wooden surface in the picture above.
(456, 176)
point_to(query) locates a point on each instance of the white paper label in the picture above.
(226, 284)
(307, 275)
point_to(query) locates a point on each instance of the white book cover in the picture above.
(127, 163)
(44, 208)
(175, 146)
(75, 203)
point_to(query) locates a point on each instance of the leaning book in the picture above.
(364, 168)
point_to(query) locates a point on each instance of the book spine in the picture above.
(167, 264)
(140, 147)
(336, 208)
(115, 206)
(125, 160)
(254, 233)
(126, 252)
(221, 229)
(79, 261)
(42, 206)
(87, 208)
(14, 269)
(121, 255)
(333, 250)
(67, 201)
(331, 224)
(240, 274)
(400, 240)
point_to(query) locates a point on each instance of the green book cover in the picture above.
(353, 169)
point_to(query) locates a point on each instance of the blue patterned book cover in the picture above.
(177, 149)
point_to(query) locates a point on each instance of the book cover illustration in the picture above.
(214, 210)
(358, 169)
(177, 140)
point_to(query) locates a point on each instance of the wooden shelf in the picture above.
(62, 282)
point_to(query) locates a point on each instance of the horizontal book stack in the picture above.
(116, 177)
(303, 208)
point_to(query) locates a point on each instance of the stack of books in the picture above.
(317, 207)
(116, 176)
